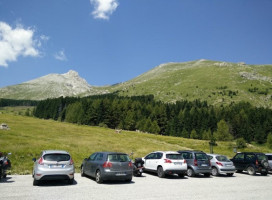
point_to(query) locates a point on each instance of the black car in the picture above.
(251, 162)
(108, 166)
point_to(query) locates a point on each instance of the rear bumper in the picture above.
(168, 171)
(202, 171)
(50, 174)
(107, 175)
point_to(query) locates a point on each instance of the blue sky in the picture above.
(112, 41)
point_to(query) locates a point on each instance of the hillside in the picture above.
(28, 136)
(216, 82)
(49, 86)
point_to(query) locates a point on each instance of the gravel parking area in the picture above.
(149, 186)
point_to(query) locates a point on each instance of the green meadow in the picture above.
(28, 136)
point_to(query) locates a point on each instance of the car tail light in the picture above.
(107, 165)
(257, 163)
(6, 163)
(185, 161)
(167, 161)
(40, 161)
(71, 162)
(130, 164)
(219, 163)
(195, 162)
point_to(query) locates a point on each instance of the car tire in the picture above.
(181, 175)
(215, 171)
(82, 171)
(264, 173)
(98, 177)
(190, 172)
(160, 172)
(251, 170)
(71, 181)
(128, 180)
(229, 174)
(264, 163)
(35, 182)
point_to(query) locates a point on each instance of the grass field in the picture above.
(28, 136)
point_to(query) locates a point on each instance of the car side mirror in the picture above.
(34, 159)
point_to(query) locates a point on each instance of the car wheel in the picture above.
(71, 181)
(190, 172)
(82, 171)
(35, 182)
(229, 174)
(98, 178)
(129, 180)
(181, 175)
(264, 173)
(215, 171)
(265, 163)
(160, 172)
(251, 170)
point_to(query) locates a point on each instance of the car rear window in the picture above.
(174, 156)
(201, 156)
(261, 157)
(56, 157)
(118, 158)
(222, 158)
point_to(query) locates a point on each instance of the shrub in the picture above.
(241, 143)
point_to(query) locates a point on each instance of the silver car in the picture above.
(53, 165)
(269, 158)
(108, 166)
(221, 165)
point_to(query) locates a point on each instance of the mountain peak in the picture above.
(71, 73)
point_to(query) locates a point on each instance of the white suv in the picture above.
(165, 162)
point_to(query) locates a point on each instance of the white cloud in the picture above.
(60, 55)
(16, 42)
(103, 8)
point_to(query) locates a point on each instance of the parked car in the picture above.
(108, 166)
(251, 162)
(221, 165)
(165, 162)
(198, 163)
(53, 165)
(269, 158)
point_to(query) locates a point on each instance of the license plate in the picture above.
(56, 166)
(228, 165)
(177, 163)
(120, 174)
(204, 165)
(263, 170)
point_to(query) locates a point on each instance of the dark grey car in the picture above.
(108, 166)
(197, 162)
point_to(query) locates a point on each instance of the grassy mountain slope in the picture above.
(28, 136)
(215, 82)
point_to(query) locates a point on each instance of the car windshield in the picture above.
(118, 158)
(261, 157)
(201, 156)
(222, 158)
(174, 156)
(56, 157)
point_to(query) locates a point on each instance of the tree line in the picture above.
(13, 102)
(195, 119)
